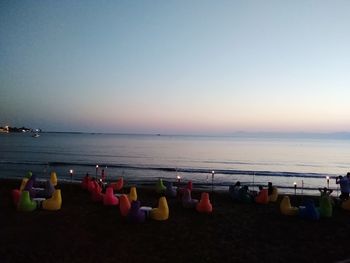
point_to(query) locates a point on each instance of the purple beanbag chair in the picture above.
(187, 200)
(136, 215)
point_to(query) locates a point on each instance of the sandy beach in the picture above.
(83, 231)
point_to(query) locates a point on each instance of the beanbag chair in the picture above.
(47, 192)
(133, 194)
(117, 186)
(29, 186)
(262, 197)
(16, 194)
(244, 196)
(234, 192)
(162, 211)
(189, 186)
(53, 178)
(204, 205)
(54, 203)
(346, 205)
(309, 211)
(25, 204)
(29, 174)
(160, 187)
(286, 208)
(273, 197)
(326, 208)
(124, 205)
(23, 184)
(85, 182)
(109, 198)
(96, 193)
(187, 201)
(136, 215)
(92, 184)
(170, 190)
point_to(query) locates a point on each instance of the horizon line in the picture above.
(236, 133)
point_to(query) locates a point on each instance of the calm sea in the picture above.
(143, 158)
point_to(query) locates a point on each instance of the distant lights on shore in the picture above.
(71, 176)
(212, 181)
(178, 177)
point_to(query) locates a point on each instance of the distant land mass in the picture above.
(8, 129)
(241, 134)
(325, 135)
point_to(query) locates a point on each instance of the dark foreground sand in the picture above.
(86, 232)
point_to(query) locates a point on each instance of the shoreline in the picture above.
(83, 231)
(218, 187)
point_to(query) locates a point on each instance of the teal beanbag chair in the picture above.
(244, 195)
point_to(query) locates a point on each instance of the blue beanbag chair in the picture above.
(309, 211)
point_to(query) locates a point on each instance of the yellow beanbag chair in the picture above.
(133, 194)
(273, 197)
(286, 208)
(162, 211)
(23, 184)
(54, 203)
(53, 178)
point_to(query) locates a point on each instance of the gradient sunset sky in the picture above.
(175, 66)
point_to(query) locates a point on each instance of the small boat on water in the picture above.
(36, 135)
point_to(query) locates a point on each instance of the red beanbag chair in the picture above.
(204, 205)
(262, 197)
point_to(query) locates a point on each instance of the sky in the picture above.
(178, 67)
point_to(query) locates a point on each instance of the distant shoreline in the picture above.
(267, 135)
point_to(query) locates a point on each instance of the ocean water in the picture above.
(141, 159)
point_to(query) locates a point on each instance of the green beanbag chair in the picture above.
(25, 204)
(326, 209)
